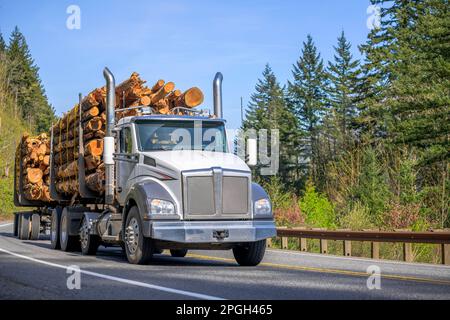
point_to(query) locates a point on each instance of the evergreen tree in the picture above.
(268, 110)
(381, 53)
(2, 44)
(25, 82)
(307, 96)
(420, 93)
(344, 91)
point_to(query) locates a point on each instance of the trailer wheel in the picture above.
(89, 242)
(139, 249)
(68, 242)
(54, 230)
(178, 253)
(250, 254)
(35, 226)
(24, 227)
(16, 224)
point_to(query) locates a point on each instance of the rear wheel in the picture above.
(178, 253)
(250, 254)
(138, 248)
(35, 226)
(54, 230)
(16, 224)
(24, 226)
(68, 242)
(89, 242)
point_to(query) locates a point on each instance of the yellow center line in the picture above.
(326, 270)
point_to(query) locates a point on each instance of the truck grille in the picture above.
(214, 194)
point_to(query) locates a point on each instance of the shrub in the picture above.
(290, 216)
(401, 216)
(357, 219)
(318, 211)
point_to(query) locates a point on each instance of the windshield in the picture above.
(170, 135)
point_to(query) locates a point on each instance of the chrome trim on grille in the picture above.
(217, 175)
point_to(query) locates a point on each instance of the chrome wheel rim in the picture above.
(84, 234)
(53, 230)
(132, 233)
(63, 229)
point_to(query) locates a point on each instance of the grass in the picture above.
(11, 130)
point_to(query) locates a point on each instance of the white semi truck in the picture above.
(170, 183)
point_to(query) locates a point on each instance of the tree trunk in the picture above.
(34, 175)
(94, 147)
(191, 98)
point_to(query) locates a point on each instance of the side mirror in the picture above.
(252, 152)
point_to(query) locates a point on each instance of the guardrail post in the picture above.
(445, 251)
(303, 244)
(407, 252)
(347, 248)
(323, 246)
(284, 242)
(269, 242)
(375, 250)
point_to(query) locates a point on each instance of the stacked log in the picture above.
(89, 115)
(34, 154)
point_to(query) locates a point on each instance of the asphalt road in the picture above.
(32, 270)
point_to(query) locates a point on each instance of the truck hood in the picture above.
(182, 160)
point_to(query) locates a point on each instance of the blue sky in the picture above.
(181, 41)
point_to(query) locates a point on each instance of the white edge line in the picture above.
(5, 225)
(360, 259)
(117, 279)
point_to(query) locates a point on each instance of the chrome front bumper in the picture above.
(210, 231)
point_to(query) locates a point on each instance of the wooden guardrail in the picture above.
(374, 237)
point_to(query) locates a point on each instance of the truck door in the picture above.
(126, 161)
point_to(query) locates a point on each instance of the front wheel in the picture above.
(138, 248)
(251, 253)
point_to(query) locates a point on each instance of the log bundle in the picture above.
(33, 153)
(162, 97)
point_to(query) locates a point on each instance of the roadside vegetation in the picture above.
(369, 147)
(23, 108)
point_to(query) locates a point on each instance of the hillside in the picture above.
(11, 129)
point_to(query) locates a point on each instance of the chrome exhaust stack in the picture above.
(217, 92)
(108, 145)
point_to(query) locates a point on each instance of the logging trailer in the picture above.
(157, 195)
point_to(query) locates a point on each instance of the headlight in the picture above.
(263, 207)
(158, 206)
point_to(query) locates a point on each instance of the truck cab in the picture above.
(189, 190)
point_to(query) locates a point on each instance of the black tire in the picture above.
(24, 227)
(178, 253)
(54, 230)
(68, 243)
(250, 254)
(89, 242)
(139, 250)
(16, 224)
(35, 226)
